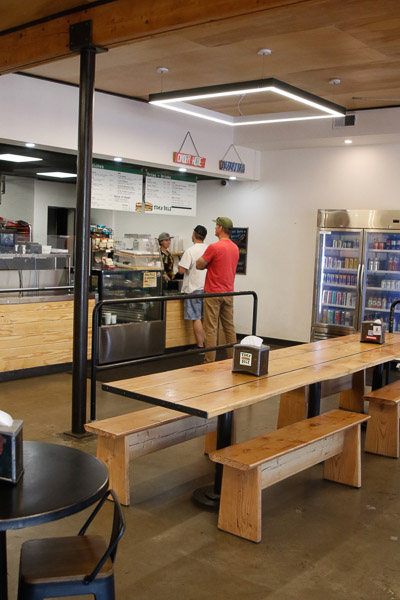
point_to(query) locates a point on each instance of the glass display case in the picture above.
(132, 329)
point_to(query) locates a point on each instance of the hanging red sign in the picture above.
(189, 160)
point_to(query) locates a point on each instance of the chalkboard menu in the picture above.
(116, 188)
(239, 235)
(170, 194)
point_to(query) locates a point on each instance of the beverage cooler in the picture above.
(357, 270)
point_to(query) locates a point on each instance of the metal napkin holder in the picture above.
(11, 455)
(250, 359)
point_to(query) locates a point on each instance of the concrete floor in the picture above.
(321, 540)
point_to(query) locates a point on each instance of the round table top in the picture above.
(57, 481)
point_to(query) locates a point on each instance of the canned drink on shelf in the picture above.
(337, 317)
(346, 263)
(330, 297)
(347, 318)
(325, 317)
(331, 317)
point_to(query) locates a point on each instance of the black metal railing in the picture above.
(95, 367)
(391, 321)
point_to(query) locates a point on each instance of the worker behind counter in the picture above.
(164, 239)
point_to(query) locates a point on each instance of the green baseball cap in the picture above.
(224, 222)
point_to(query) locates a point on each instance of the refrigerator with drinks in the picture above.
(357, 270)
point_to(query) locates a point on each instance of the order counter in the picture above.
(178, 332)
(37, 331)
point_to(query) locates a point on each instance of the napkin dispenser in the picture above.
(373, 332)
(11, 456)
(251, 358)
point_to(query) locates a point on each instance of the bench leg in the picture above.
(382, 436)
(346, 466)
(240, 504)
(114, 452)
(352, 399)
(293, 406)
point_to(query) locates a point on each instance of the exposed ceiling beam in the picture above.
(118, 23)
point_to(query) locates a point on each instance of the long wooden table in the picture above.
(295, 373)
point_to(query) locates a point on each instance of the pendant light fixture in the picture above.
(181, 101)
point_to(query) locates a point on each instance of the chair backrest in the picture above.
(117, 531)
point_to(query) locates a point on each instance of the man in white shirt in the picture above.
(193, 282)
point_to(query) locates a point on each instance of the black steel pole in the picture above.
(81, 290)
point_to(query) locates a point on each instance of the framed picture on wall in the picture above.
(239, 235)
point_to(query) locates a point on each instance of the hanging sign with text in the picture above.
(233, 167)
(189, 160)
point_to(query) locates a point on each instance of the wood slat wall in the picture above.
(178, 331)
(37, 334)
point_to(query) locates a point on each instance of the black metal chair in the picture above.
(72, 566)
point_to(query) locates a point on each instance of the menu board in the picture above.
(239, 235)
(116, 188)
(170, 194)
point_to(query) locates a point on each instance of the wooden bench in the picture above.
(251, 466)
(122, 438)
(382, 436)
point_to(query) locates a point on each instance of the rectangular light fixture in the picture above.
(180, 102)
(18, 158)
(58, 174)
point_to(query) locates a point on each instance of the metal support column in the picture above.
(80, 38)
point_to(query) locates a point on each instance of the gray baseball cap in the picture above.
(164, 236)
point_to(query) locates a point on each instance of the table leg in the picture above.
(209, 495)
(377, 377)
(3, 566)
(314, 400)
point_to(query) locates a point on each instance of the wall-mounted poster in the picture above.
(239, 235)
(170, 194)
(116, 188)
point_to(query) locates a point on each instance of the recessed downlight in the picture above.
(233, 177)
(18, 158)
(30, 145)
(117, 159)
(348, 141)
(182, 169)
(58, 174)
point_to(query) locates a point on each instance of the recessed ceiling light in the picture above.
(30, 145)
(348, 141)
(180, 102)
(58, 174)
(118, 159)
(264, 52)
(182, 169)
(18, 158)
(232, 177)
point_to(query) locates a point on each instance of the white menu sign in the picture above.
(170, 194)
(116, 188)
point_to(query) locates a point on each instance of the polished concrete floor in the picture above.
(321, 540)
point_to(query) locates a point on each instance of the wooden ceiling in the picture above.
(312, 41)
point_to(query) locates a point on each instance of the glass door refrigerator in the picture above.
(357, 270)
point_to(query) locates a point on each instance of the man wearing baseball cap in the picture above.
(220, 260)
(193, 282)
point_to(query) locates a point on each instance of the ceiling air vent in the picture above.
(346, 121)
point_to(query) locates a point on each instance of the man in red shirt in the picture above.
(220, 260)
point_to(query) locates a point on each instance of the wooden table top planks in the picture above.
(212, 389)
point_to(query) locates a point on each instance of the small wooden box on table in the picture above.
(382, 435)
(125, 437)
(251, 466)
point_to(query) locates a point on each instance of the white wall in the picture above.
(17, 202)
(135, 131)
(49, 193)
(281, 213)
